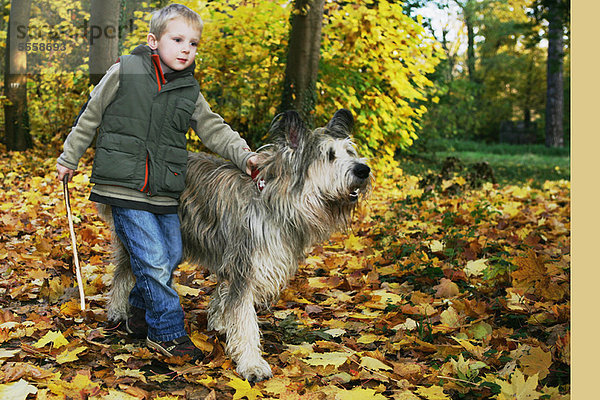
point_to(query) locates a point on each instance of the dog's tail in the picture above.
(123, 279)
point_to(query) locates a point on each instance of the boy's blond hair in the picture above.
(160, 18)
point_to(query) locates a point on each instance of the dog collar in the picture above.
(260, 183)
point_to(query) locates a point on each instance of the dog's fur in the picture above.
(252, 239)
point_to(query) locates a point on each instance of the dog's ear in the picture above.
(341, 124)
(288, 129)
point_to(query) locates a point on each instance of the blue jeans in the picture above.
(154, 245)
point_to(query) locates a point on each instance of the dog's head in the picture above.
(322, 164)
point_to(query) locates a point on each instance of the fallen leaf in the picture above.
(243, 389)
(518, 388)
(476, 268)
(56, 338)
(17, 390)
(70, 355)
(432, 393)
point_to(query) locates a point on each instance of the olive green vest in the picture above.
(142, 138)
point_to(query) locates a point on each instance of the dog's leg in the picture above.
(123, 279)
(243, 338)
(123, 282)
(216, 308)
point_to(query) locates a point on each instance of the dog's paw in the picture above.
(256, 371)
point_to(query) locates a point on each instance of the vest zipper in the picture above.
(160, 80)
(145, 187)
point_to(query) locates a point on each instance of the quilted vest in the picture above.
(142, 138)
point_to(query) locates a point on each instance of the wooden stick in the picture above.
(73, 242)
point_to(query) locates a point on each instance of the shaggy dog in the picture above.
(252, 233)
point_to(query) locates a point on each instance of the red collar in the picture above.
(160, 77)
(260, 183)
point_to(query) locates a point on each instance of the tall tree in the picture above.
(299, 90)
(556, 12)
(103, 37)
(16, 116)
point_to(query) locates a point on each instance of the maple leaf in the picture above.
(353, 243)
(518, 388)
(450, 318)
(374, 364)
(80, 387)
(533, 360)
(17, 390)
(243, 389)
(334, 358)
(358, 394)
(432, 393)
(476, 268)
(531, 269)
(70, 355)
(56, 338)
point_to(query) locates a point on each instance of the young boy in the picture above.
(143, 108)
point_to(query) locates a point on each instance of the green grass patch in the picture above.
(512, 164)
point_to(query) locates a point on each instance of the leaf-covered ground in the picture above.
(436, 292)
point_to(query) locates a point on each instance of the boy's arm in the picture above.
(87, 122)
(218, 136)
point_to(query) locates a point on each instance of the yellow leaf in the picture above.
(436, 246)
(353, 243)
(432, 393)
(511, 208)
(368, 338)
(131, 373)
(332, 358)
(243, 389)
(56, 338)
(359, 394)
(373, 364)
(277, 384)
(536, 361)
(476, 268)
(450, 318)
(519, 388)
(183, 290)
(70, 355)
(114, 394)
(17, 390)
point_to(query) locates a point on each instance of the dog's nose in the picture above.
(361, 171)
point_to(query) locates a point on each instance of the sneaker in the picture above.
(136, 325)
(179, 347)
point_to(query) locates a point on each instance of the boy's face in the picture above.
(178, 44)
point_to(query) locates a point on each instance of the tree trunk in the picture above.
(470, 45)
(302, 67)
(16, 116)
(103, 35)
(554, 78)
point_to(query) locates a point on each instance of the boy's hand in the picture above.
(251, 164)
(64, 171)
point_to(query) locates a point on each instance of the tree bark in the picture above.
(470, 45)
(302, 67)
(16, 116)
(554, 77)
(103, 35)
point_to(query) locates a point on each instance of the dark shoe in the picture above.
(136, 325)
(179, 347)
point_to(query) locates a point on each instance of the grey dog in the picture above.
(252, 233)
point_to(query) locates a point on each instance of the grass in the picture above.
(512, 164)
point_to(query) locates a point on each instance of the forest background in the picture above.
(467, 124)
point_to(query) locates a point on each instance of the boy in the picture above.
(143, 108)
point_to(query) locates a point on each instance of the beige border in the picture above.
(585, 174)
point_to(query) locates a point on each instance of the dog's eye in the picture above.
(331, 155)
